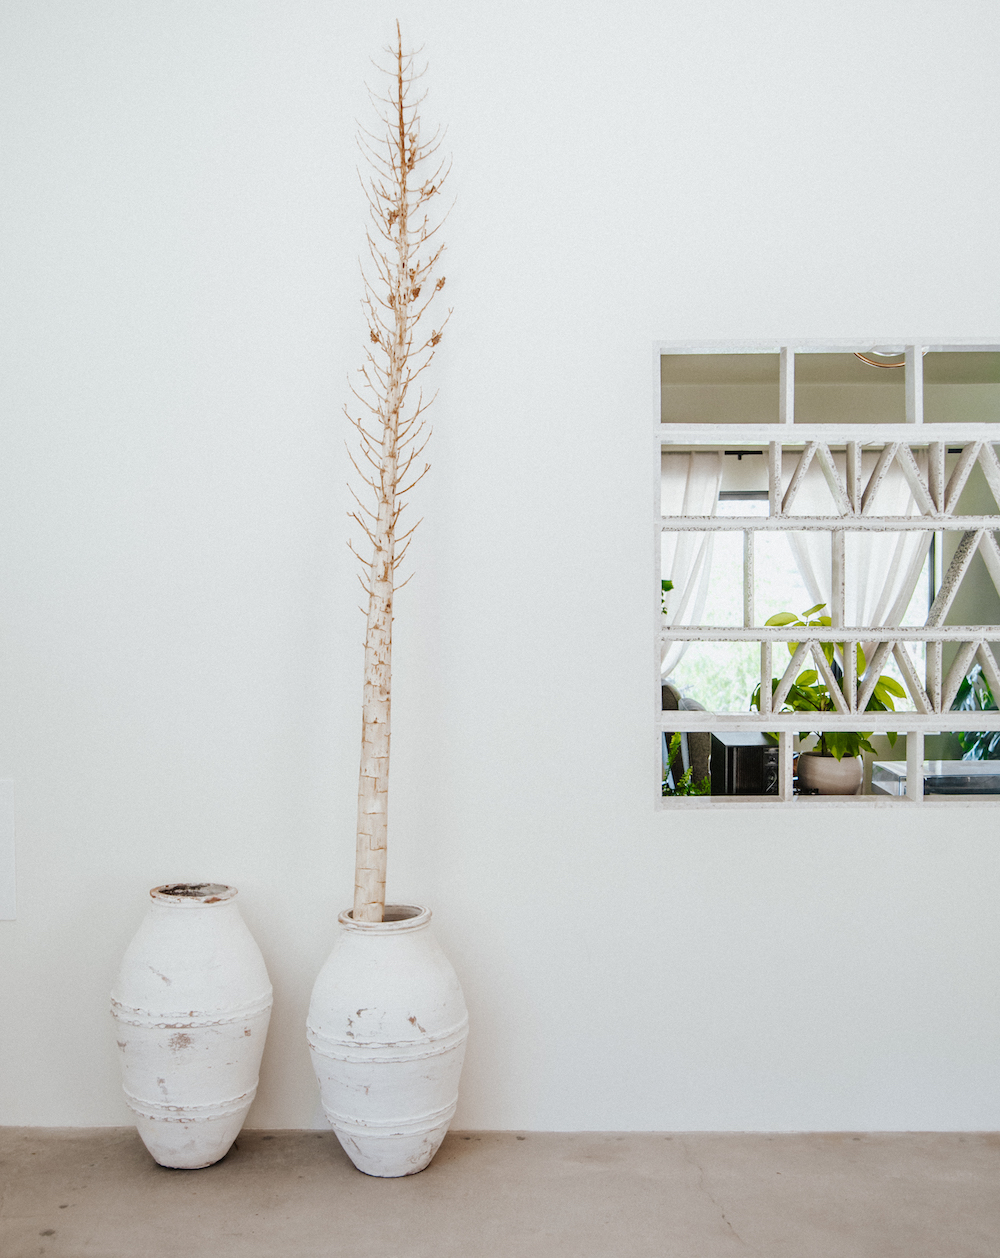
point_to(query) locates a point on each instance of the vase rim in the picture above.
(194, 895)
(398, 918)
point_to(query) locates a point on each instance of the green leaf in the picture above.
(784, 618)
(818, 608)
(802, 699)
(666, 585)
(892, 685)
(841, 744)
(807, 678)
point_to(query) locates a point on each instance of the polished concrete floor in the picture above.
(96, 1192)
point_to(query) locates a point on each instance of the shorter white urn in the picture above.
(191, 1006)
(387, 1029)
(829, 776)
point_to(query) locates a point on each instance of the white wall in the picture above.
(180, 664)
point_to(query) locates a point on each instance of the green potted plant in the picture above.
(975, 695)
(677, 783)
(834, 766)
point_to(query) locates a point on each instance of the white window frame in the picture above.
(933, 693)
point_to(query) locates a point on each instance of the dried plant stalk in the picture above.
(404, 175)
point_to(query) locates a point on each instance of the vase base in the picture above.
(391, 1156)
(183, 1146)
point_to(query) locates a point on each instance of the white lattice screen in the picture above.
(924, 452)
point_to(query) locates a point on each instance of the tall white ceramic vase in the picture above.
(191, 1006)
(387, 1030)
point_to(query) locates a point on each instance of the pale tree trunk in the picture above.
(391, 440)
(373, 781)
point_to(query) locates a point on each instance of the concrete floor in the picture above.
(92, 1192)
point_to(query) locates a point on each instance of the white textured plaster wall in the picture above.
(180, 664)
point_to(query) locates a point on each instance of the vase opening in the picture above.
(400, 912)
(396, 918)
(193, 892)
(395, 912)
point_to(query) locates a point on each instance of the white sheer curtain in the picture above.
(689, 486)
(882, 569)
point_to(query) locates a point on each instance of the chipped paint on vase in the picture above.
(387, 1029)
(191, 1006)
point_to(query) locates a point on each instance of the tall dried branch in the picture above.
(390, 436)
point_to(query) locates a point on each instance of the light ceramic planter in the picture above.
(191, 1006)
(387, 1029)
(829, 776)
